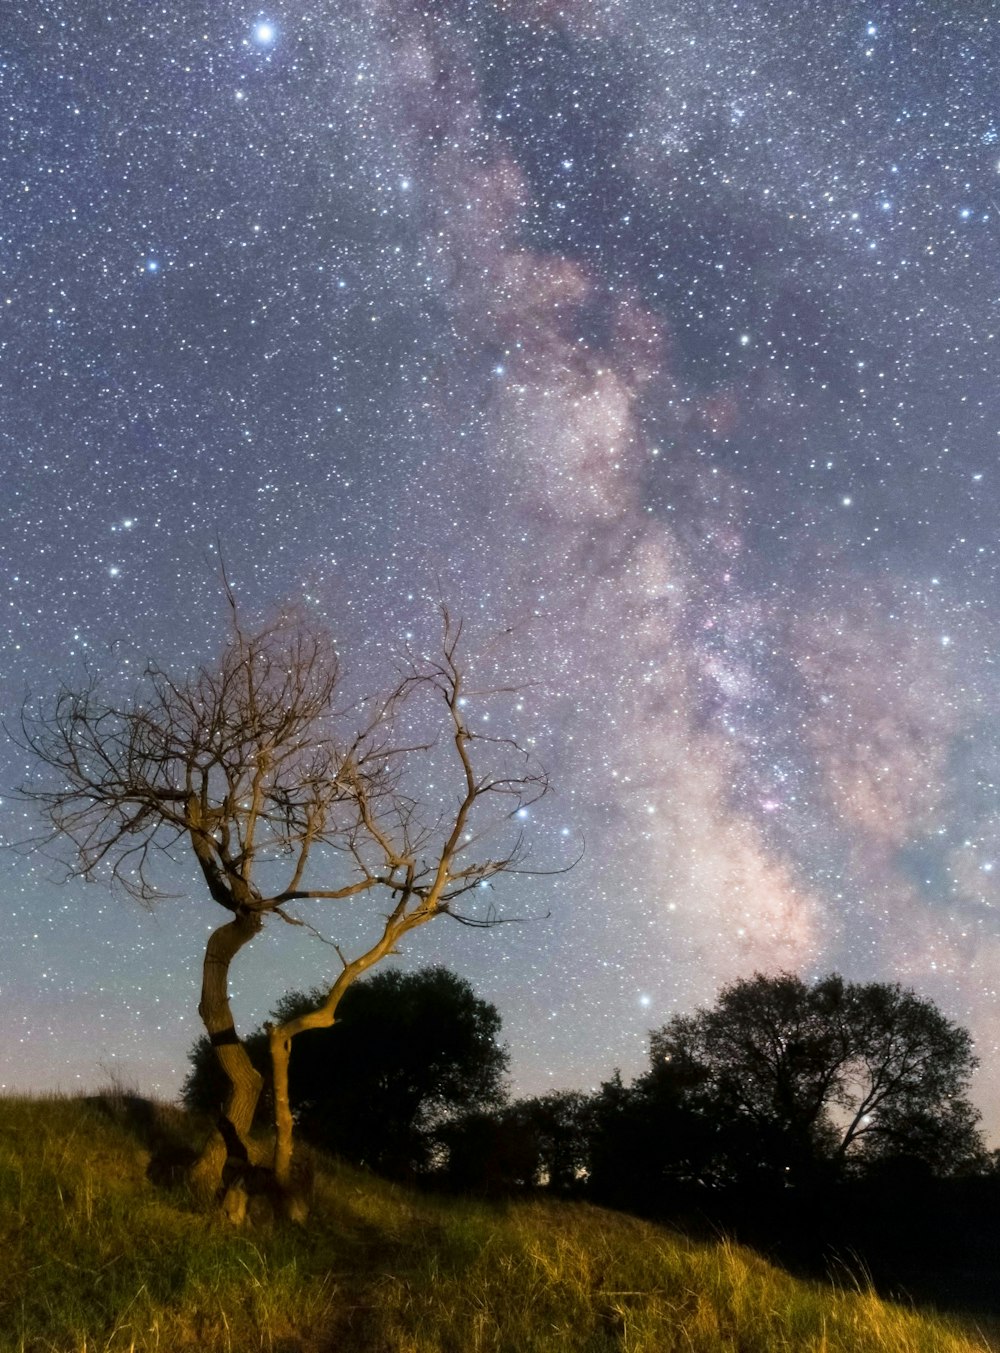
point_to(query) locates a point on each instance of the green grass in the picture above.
(95, 1257)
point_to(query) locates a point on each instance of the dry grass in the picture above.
(95, 1257)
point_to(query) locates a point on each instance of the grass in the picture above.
(95, 1257)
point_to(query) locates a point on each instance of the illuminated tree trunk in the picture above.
(293, 1189)
(230, 1138)
(281, 1049)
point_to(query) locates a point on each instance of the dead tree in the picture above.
(283, 795)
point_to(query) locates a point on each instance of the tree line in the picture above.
(828, 1123)
(778, 1085)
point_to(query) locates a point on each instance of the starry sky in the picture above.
(663, 334)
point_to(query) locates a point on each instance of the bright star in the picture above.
(264, 33)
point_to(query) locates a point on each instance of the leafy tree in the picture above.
(653, 1148)
(283, 792)
(559, 1124)
(836, 1071)
(489, 1152)
(538, 1142)
(406, 1051)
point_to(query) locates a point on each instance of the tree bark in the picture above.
(293, 1190)
(231, 1136)
(281, 1050)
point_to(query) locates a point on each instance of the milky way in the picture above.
(663, 337)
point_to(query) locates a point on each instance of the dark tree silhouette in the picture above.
(559, 1124)
(650, 1150)
(532, 1143)
(253, 766)
(407, 1050)
(489, 1152)
(836, 1071)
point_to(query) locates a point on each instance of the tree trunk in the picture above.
(293, 1189)
(281, 1050)
(230, 1138)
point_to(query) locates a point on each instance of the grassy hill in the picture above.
(93, 1256)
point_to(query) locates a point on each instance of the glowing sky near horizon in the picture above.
(667, 335)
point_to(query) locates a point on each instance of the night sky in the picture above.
(664, 334)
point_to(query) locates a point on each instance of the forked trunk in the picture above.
(231, 1137)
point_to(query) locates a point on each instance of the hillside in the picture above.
(96, 1256)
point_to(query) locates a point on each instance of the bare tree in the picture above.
(282, 794)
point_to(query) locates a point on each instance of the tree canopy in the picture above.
(839, 1071)
(537, 1141)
